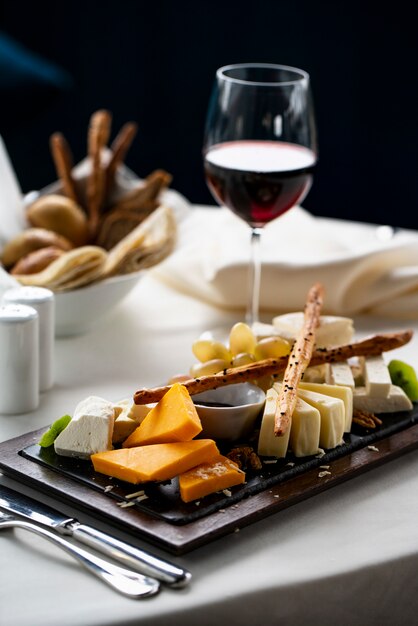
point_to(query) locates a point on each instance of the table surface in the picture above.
(346, 556)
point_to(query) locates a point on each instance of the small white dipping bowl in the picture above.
(245, 402)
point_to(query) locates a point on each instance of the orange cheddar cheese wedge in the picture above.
(160, 461)
(174, 418)
(218, 474)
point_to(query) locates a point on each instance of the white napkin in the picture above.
(360, 271)
(11, 199)
(11, 211)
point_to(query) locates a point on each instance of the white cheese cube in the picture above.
(268, 443)
(89, 431)
(332, 330)
(332, 412)
(376, 376)
(339, 374)
(315, 374)
(335, 391)
(397, 400)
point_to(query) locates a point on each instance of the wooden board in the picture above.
(187, 527)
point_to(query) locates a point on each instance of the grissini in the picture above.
(143, 195)
(120, 147)
(372, 346)
(63, 160)
(98, 137)
(298, 361)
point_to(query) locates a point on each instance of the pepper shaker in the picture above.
(19, 358)
(42, 300)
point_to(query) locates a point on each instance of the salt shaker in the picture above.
(42, 300)
(19, 358)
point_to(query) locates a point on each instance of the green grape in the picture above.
(271, 347)
(241, 339)
(207, 350)
(210, 367)
(265, 382)
(243, 358)
(404, 376)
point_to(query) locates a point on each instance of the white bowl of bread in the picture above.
(90, 235)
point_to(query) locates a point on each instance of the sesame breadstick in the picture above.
(372, 346)
(298, 361)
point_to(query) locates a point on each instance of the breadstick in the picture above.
(298, 361)
(98, 137)
(63, 160)
(146, 193)
(371, 346)
(120, 147)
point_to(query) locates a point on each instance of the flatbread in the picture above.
(75, 268)
(148, 244)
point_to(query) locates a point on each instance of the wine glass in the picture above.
(259, 149)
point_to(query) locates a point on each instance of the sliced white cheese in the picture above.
(332, 330)
(268, 443)
(332, 412)
(89, 431)
(137, 412)
(134, 411)
(123, 427)
(339, 374)
(128, 416)
(397, 400)
(376, 376)
(335, 391)
(305, 429)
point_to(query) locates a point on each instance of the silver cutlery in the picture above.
(140, 560)
(131, 584)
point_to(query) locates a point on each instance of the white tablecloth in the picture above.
(347, 556)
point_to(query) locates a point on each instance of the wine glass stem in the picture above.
(254, 278)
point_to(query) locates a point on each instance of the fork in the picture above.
(125, 581)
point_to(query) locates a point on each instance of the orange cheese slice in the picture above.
(174, 418)
(160, 461)
(218, 474)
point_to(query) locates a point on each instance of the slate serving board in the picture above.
(177, 527)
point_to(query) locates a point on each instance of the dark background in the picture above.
(154, 62)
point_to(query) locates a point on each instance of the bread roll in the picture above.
(61, 215)
(29, 240)
(36, 261)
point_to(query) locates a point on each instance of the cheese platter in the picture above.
(223, 515)
(322, 411)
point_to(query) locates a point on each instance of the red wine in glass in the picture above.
(259, 180)
(259, 148)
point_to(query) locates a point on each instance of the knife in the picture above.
(140, 560)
